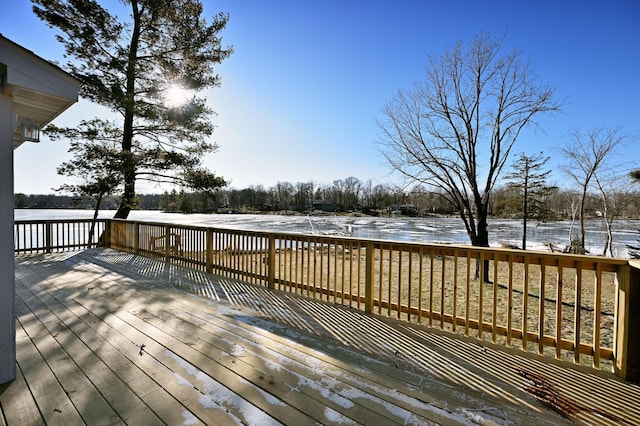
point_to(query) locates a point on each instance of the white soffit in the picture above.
(39, 90)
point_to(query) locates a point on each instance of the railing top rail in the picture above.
(45, 221)
(545, 257)
(462, 249)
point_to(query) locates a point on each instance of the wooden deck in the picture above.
(106, 337)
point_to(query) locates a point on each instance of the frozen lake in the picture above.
(429, 230)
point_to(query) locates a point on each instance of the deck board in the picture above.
(288, 385)
(17, 401)
(80, 372)
(370, 390)
(279, 361)
(221, 351)
(95, 388)
(53, 403)
(150, 373)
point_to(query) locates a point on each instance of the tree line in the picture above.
(343, 195)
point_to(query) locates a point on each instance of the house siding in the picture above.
(7, 277)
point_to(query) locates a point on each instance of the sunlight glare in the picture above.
(176, 96)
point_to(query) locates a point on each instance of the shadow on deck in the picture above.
(108, 337)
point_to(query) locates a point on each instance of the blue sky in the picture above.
(301, 94)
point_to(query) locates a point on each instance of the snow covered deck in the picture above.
(106, 337)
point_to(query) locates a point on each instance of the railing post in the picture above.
(627, 334)
(167, 243)
(136, 237)
(271, 264)
(209, 250)
(106, 239)
(48, 237)
(368, 278)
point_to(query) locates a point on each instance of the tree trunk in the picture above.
(481, 239)
(128, 196)
(95, 218)
(582, 232)
(525, 207)
(608, 236)
(129, 193)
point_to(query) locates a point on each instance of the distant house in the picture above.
(404, 209)
(32, 93)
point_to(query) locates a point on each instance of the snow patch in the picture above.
(324, 386)
(335, 417)
(409, 417)
(227, 310)
(218, 396)
(271, 365)
(266, 395)
(238, 351)
(181, 380)
(189, 418)
(482, 417)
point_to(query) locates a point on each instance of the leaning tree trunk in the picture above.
(96, 211)
(129, 193)
(608, 237)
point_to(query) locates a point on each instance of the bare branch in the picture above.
(457, 128)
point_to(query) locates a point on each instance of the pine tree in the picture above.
(96, 164)
(529, 182)
(137, 67)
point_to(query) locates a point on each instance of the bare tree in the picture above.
(352, 191)
(282, 195)
(615, 196)
(303, 197)
(455, 130)
(574, 207)
(634, 250)
(586, 154)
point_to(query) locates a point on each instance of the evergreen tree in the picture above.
(529, 182)
(96, 164)
(21, 201)
(186, 202)
(138, 68)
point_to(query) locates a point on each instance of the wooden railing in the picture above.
(37, 236)
(566, 306)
